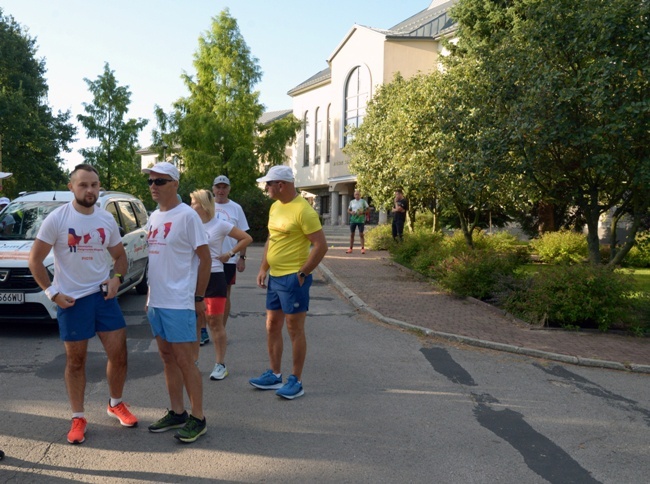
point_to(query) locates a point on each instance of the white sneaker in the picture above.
(219, 373)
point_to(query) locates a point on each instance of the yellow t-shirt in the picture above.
(289, 223)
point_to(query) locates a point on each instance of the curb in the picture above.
(520, 350)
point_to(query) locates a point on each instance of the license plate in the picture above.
(12, 298)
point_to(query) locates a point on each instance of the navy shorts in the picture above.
(286, 294)
(216, 285)
(354, 225)
(90, 315)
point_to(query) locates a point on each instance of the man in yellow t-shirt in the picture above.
(293, 227)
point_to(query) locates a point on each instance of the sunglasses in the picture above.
(158, 181)
(271, 183)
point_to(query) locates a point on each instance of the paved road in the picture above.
(382, 405)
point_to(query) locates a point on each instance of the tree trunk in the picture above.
(546, 214)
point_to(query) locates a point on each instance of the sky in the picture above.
(150, 43)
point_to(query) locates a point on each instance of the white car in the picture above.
(20, 297)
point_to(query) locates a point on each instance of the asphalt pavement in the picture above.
(399, 296)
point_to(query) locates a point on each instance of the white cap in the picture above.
(4, 174)
(165, 168)
(278, 173)
(221, 179)
(4, 201)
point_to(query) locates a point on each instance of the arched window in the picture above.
(305, 139)
(357, 93)
(318, 129)
(328, 135)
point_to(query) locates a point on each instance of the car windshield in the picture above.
(21, 220)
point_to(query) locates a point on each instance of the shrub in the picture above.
(256, 205)
(581, 295)
(639, 254)
(475, 273)
(379, 237)
(413, 244)
(563, 247)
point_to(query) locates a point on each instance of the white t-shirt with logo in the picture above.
(216, 230)
(79, 242)
(173, 237)
(232, 213)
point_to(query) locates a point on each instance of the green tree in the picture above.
(115, 157)
(570, 84)
(216, 127)
(32, 135)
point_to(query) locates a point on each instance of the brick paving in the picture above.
(399, 296)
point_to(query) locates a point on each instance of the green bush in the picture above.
(379, 237)
(581, 295)
(476, 273)
(256, 205)
(413, 244)
(563, 247)
(639, 254)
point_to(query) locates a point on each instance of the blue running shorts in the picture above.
(285, 293)
(173, 325)
(89, 315)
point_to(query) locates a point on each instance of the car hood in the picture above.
(16, 252)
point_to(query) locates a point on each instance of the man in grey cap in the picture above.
(231, 212)
(294, 226)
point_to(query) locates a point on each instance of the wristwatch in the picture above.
(242, 257)
(199, 298)
(120, 277)
(231, 253)
(302, 275)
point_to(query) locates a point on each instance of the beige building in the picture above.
(336, 97)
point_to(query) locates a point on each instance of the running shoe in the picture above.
(171, 420)
(292, 389)
(363, 251)
(77, 432)
(267, 381)
(205, 337)
(122, 413)
(219, 373)
(349, 251)
(192, 430)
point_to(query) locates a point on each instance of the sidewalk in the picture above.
(398, 296)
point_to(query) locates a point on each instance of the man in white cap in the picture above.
(179, 270)
(293, 227)
(7, 221)
(231, 212)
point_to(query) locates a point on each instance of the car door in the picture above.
(133, 238)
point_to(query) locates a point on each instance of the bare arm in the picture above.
(317, 252)
(120, 266)
(264, 267)
(243, 241)
(205, 263)
(37, 255)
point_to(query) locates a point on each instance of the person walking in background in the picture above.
(399, 215)
(215, 295)
(179, 271)
(83, 310)
(226, 209)
(293, 226)
(358, 210)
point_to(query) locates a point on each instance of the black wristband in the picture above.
(199, 298)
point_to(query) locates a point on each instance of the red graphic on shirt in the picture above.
(98, 235)
(167, 226)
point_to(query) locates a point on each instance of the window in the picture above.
(324, 204)
(129, 221)
(357, 93)
(317, 137)
(328, 135)
(140, 213)
(305, 135)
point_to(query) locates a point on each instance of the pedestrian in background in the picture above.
(293, 226)
(400, 208)
(215, 295)
(358, 210)
(179, 271)
(83, 309)
(231, 212)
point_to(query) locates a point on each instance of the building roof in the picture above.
(431, 23)
(270, 116)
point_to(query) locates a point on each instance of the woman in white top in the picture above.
(215, 296)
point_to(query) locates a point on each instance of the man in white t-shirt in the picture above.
(178, 275)
(226, 209)
(80, 233)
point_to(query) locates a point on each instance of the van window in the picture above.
(112, 209)
(140, 213)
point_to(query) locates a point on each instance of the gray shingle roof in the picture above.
(270, 116)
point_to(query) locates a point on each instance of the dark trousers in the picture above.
(398, 228)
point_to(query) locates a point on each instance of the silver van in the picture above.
(20, 297)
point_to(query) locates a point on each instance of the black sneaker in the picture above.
(192, 430)
(171, 420)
